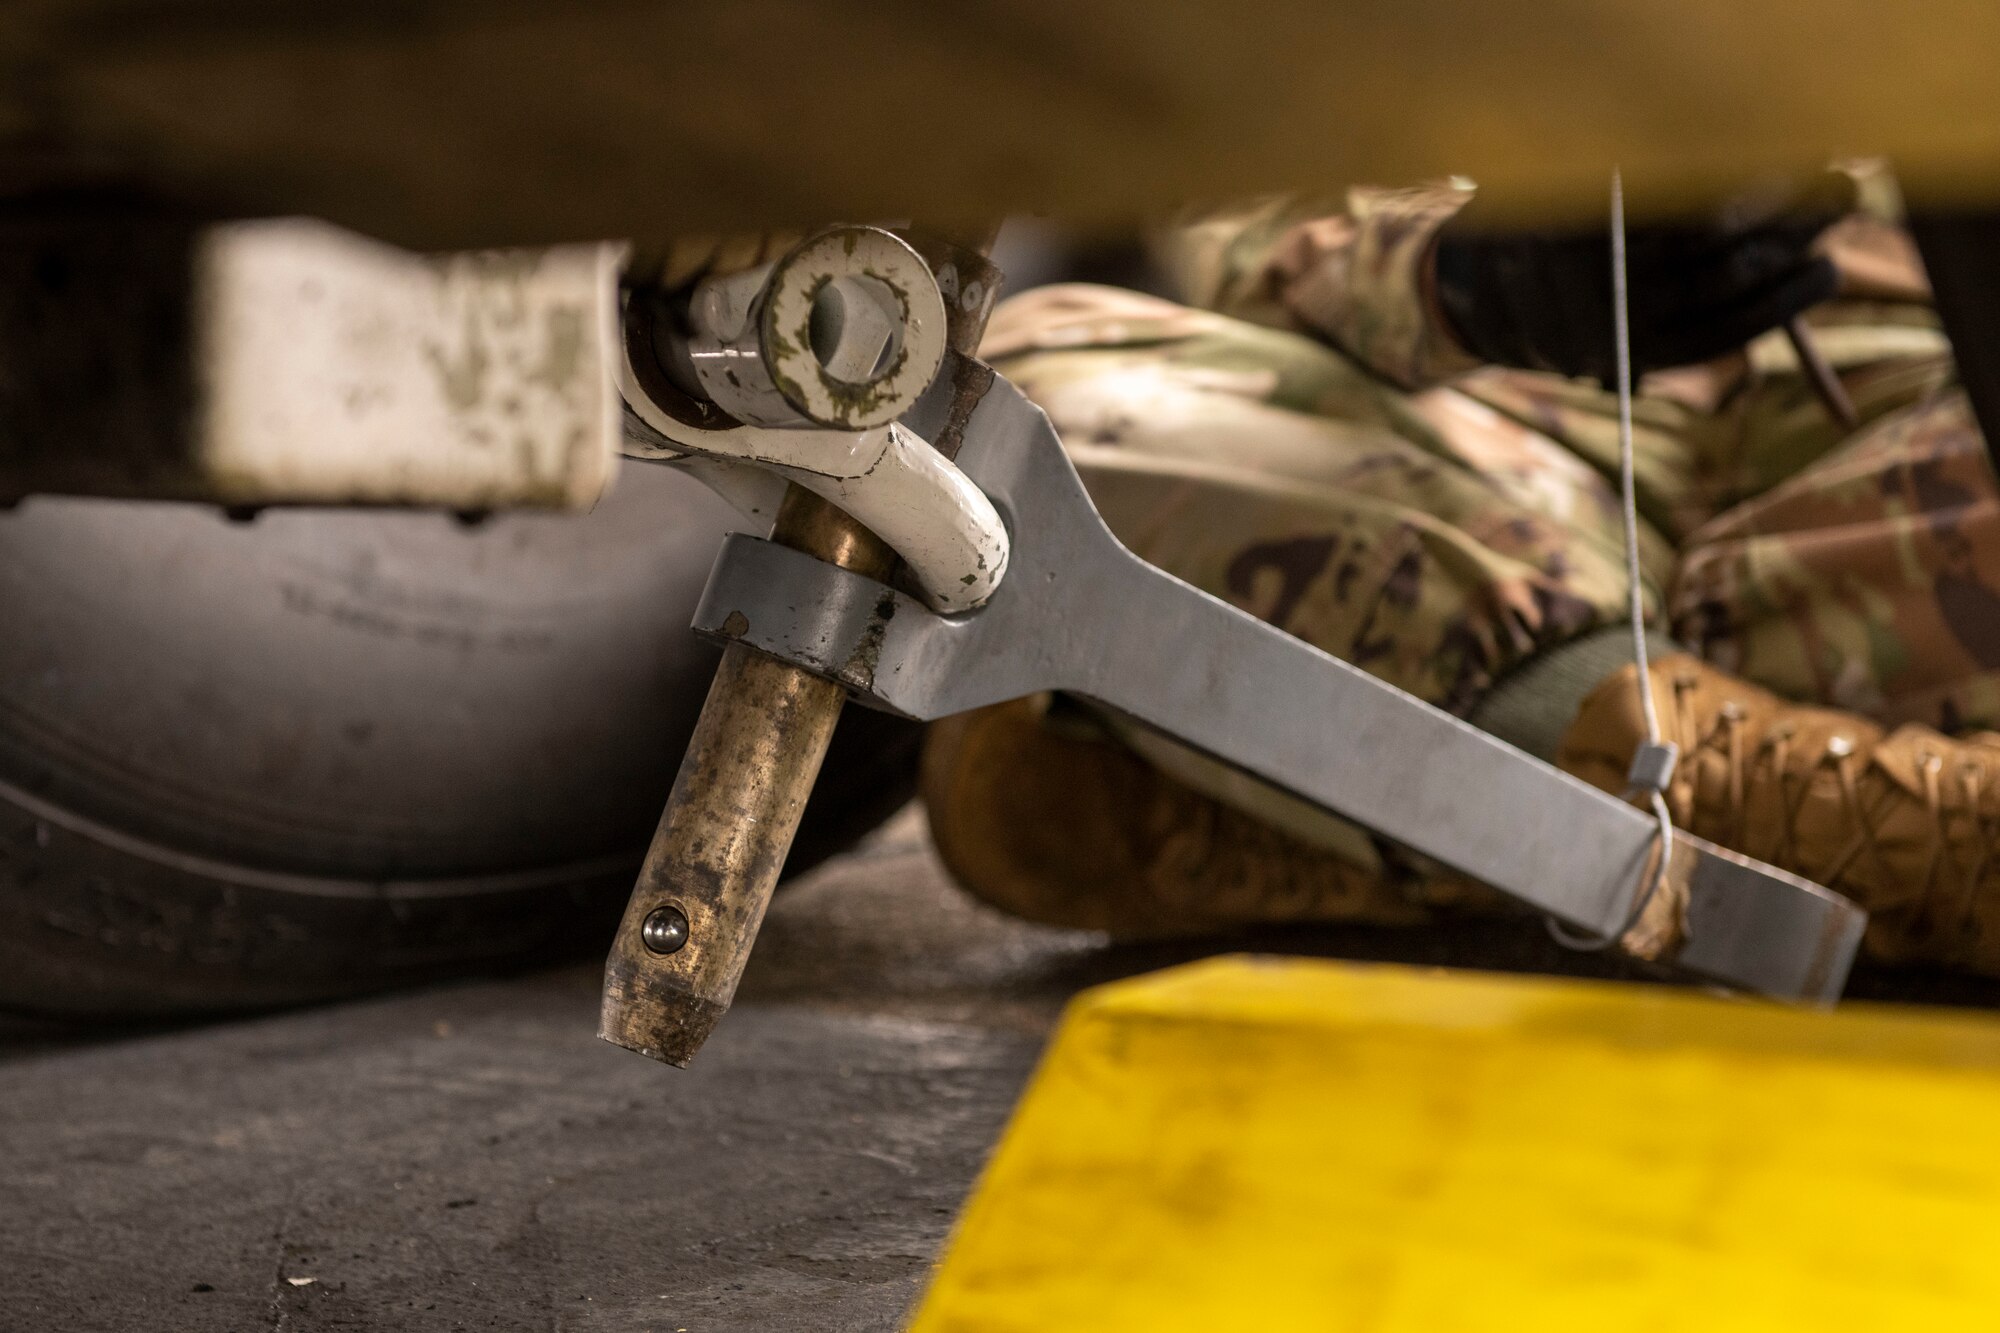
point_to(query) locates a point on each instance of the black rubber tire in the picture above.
(251, 765)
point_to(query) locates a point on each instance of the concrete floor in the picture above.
(472, 1158)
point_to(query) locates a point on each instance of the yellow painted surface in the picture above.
(1262, 1145)
(530, 121)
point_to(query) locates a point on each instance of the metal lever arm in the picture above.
(765, 727)
(729, 821)
(1080, 613)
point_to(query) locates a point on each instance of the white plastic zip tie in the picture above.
(1653, 763)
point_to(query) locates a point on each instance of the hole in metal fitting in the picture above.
(856, 328)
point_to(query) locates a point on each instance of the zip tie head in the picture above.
(1652, 767)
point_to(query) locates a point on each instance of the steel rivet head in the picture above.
(665, 929)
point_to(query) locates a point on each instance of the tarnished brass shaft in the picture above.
(755, 755)
(743, 784)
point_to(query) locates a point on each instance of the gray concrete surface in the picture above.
(472, 1158)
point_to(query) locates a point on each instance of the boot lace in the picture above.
(1961, 836)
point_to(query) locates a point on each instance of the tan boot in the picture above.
(1062, 827)
(1903, 823)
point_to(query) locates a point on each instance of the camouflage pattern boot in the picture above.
(1049, 818)
(1903, 822)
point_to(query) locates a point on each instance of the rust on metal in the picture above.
(970, 283)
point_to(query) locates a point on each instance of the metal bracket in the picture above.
(753, 353)
(1080, 613)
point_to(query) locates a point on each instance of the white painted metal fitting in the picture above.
(846, 331)
(945, 528)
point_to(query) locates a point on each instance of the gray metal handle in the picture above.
(1080, 613)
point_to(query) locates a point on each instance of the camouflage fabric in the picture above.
(1869, 581)
(1441, 536)
(1427, 538)
(1356, 278)
(1324, 457)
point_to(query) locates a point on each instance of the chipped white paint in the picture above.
(907, 493)
(338, 370)
(846, 331)
(882, 295)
